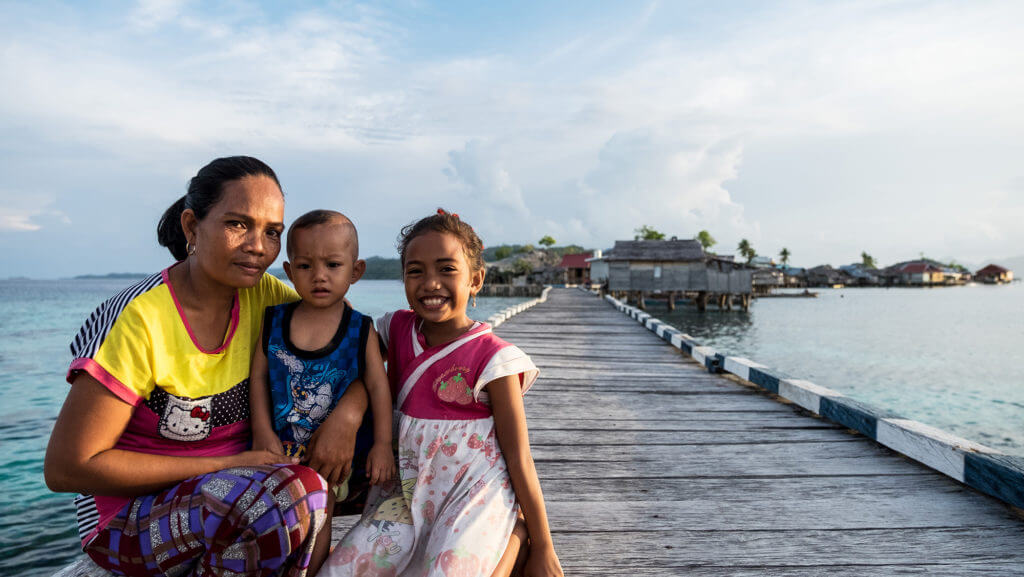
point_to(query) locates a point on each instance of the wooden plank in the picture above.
(698, 421)
(926, 546)
(570, 439)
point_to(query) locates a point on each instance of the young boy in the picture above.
(312, 351)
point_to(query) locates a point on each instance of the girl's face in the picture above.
(241, 234)
(439, 279)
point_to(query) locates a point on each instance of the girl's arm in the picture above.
(510, 425)
(263, 435)
(381, 463)
(81, 456)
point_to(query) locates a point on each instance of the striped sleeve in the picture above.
(88, 515)
(112, 346)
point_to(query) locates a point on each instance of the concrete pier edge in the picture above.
(495, 320)
(973, 464)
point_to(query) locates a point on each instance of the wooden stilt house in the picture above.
(676, 267)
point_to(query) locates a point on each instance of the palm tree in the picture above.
(867, 260)
(706, 240)
(784, 256)
(646, 232)
(746, 250)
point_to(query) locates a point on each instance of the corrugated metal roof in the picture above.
(578, 260)
(656, 250)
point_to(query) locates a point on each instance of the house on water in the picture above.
(994, 274)
(598, 267)
(675, 268)
(576, 268)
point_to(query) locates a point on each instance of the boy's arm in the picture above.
(263, 435)
(376, 381)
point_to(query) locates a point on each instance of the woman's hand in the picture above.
(330, 452)
(380, 464)
(542, 562)
(258, 457)
(267, 441)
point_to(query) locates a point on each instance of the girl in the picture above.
(464, 456)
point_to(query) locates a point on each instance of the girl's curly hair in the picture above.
(445, 222)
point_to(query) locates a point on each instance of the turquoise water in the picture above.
(950, 357)
(37, 321)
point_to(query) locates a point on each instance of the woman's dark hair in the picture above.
(450, 223)
(205, 190)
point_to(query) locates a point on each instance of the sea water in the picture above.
(38, 319)
(949, 357)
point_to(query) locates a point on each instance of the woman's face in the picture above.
(241, 234)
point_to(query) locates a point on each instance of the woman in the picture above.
(155, 428)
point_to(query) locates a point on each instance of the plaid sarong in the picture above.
(248, 521)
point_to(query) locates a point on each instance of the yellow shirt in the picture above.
(188, 401)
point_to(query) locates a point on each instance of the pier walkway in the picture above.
(652, 466)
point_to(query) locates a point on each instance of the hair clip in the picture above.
(441, 212)
(456, 215)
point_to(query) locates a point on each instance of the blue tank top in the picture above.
(306, 385)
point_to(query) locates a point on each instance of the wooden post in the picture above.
(702, 301)
(728, 302)
(643, 304)
(671, 300)
(745, 302)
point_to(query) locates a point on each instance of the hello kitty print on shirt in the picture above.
(184, 419)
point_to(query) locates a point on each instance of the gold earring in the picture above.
(474, 301)
(190, 248)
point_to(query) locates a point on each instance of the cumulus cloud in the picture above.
(663, 179)
(480, 171)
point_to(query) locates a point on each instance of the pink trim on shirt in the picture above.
(181, 313)
(96, 371)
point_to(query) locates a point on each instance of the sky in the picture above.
(827, 128)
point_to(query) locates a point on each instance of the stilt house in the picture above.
(673, 266)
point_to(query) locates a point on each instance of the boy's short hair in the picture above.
(322, 216)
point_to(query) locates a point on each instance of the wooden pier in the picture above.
(652, 466)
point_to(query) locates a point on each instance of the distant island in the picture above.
(111, 275)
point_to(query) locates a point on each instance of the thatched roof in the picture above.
(656, 250)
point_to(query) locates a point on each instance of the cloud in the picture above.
(28, 212)
(657, 177)
(479, 169)
(150, 14)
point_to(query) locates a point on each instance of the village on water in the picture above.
(651, 265)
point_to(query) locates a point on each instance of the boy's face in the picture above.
(323, 263)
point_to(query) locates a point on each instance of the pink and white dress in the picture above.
(452, 509)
